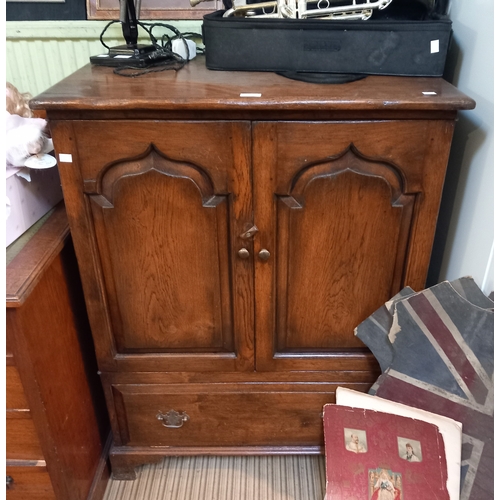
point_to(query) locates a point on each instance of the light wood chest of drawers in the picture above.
(56, 422)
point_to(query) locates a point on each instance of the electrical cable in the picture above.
(173, 60)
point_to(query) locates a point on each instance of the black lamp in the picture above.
(131, 54)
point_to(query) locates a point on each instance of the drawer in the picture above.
(22, 440)
(223, 414)
(29, 482)
(15, 397)
(8, 346)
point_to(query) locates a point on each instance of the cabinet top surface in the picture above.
(194, 87)
(37, 254)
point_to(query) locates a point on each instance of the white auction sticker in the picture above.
(65, 158)
(250, 94)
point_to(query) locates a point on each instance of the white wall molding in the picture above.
(78, 30)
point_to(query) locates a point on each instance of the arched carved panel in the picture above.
(342, 235)
(153, 159)
(163, 237)
(353, 160)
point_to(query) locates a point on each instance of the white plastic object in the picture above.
(180, 49)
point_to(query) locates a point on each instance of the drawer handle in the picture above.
(173, 419)
(10, 482)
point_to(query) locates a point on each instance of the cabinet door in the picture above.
(157, 235)
(346, 213)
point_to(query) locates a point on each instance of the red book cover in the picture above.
(372, 455)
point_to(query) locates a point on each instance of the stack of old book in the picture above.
(429, 432)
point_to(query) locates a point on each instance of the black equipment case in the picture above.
(319, 46)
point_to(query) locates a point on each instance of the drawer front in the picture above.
(223, 414)
(31, 483)
(15, 397)
(22, 440)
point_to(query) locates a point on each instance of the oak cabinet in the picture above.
(228, 247)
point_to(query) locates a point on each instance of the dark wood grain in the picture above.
(197, 89)
(149, 227)
(339, 377)
(249, 333)
(266, 415)
(162, 219)
(341, 243)
(341, 238)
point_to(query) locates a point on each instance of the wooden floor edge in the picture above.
(213, 450)
(102, 474)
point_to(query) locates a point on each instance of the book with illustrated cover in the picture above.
(450, 429)
(371, 455)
